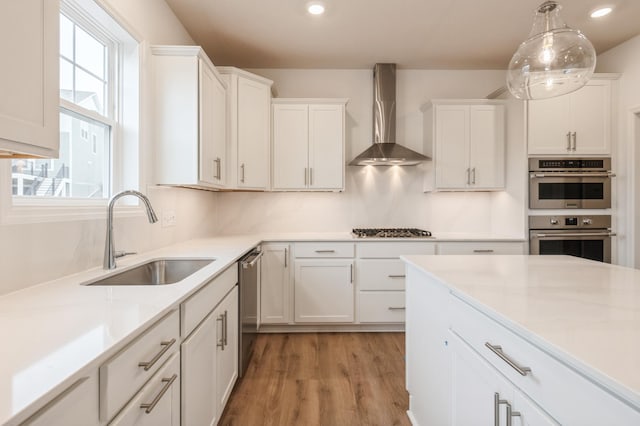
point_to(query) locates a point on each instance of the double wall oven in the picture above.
(570, 186)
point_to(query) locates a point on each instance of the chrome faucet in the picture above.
(110, 254)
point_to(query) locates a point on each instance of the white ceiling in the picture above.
(415, 34)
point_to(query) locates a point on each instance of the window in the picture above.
(97, 58)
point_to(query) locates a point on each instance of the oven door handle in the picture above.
(578, 234)
(572, 174)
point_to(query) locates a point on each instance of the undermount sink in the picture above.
(155, 272)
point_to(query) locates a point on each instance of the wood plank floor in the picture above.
(337, 379)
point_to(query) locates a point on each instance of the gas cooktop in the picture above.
(390, 233)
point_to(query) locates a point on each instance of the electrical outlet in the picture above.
(168, 218)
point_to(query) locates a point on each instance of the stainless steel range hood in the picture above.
(385, 151)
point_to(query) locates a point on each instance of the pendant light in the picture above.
(553, 61)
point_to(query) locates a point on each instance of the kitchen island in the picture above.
(536, 339)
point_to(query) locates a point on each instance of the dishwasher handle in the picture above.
(251, 261)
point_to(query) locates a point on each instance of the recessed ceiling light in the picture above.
(315, 8)
(600, 12)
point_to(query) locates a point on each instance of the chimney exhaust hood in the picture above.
(385, 151)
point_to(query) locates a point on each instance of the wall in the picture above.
(387, 196)
(625, 59)
(35, 252)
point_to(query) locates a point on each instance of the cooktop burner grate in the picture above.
(390, 233)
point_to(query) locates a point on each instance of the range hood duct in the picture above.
(385, 151)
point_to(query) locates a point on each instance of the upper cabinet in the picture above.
(190, 118)
(308, 144)
(249, 129)
(578, 123)
(29, 123)
(466, 139)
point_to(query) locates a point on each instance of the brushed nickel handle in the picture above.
(473, 176)
(396, 308)
(310, 176)
(150, 406)
(325, 251)
(397, 276)
(497, 349)
(468, 176)
(220, 343)
(578, 234)
(496, 408)
(242, 174)
(572, 174)
(574, 139)
(511, 414)
(483, 250)
(225, 330)
(568, 141)
(165, 347)
(286, 254)
(351, 271)
(218, 162)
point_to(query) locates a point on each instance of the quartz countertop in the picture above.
(55, 332)
(585, 313)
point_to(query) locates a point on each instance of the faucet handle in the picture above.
(123, 253)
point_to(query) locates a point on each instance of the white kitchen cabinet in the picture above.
(466, 140)
(29, 123)
(189, 118)
(481, 247)
(249, 113)
(199, 361)
(578, 123)
(324, 291)
(275, 284)
(226, 315)
(308, 144)
(76, 406)
(158, 402)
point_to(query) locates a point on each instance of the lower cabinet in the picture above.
(481, 247)
(158, 402)
(275, 284)
(324, 291)
(210, 364)
(76, 406)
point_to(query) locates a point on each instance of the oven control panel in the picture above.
(569, 222)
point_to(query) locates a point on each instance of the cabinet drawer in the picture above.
(164, 390)
(393, 250)
(381, 274)
(488, 247)
(382, 306)
(198, 306)
(551, 384)
(327, 249)
(122, 376)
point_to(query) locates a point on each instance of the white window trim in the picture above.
(26, 210)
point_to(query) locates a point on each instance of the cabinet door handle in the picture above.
(242, 173)
(497, 349)
(468, 176)
(483, 250)
(150, 406)
(511, 414)
(325, 251)
(351, 271)
(568, 141)
(165, 347)
(217, 162)
(225, 333)
(306, 176)
(286, 254)
(473, 176)
(397, 276)
(310, 176)
(396, 308)
(574, 139)
(220, 343)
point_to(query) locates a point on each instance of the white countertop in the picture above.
(54, 332)
(583, 312)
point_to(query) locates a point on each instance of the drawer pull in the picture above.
(325, 251)
(483, 251)
(149, 407)
(496, 410)
(397, 276)
(165, 347)
(396, 308)
(497, 349)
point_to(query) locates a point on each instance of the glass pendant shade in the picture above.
(553, 61)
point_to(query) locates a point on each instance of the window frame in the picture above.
(127, 58)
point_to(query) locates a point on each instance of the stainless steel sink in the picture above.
(155, 272)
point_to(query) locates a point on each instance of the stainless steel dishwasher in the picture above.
(249, 289)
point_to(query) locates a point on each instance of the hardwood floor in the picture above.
(337, 379)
